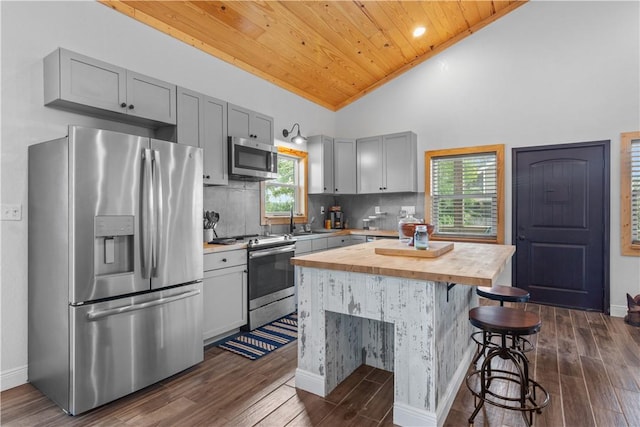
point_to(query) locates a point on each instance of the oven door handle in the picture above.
(272, 251)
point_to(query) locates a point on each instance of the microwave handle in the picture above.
(274, 162)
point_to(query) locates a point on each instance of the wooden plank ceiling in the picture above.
(329, 52)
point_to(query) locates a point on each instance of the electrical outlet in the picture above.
(411, 210)
(11, 212)
(321, 210)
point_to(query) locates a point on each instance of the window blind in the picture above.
(635, 191)
(464, 191)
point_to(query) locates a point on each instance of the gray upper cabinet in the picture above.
(249, 124)
(202, 122)
(320, 160)
(387, 163)
(369, 164)
(344, 161)
(87, 85)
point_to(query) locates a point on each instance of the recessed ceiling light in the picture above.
(419, 31)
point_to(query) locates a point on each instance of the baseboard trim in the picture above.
(13, 377)
(405, 415)
(312, 383)
(618, 310)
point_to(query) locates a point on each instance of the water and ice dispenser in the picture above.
(114, 244)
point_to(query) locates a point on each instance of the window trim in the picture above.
(280, 219)
(628, 248)
(498, 149)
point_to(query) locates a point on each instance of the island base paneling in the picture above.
(409, 326)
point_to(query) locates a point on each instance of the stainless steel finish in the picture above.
(258, 172)
(260, 242)
(99, 314)
(270, 312)
(179, 259)
(166, 330)
(104, 168)
(273, 251)
(146, 217)
(267, 299)
(271, 286)
(103, 207)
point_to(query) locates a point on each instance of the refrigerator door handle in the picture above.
(158, 214)
(146, 210)
(101, 314)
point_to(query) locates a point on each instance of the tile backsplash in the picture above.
(239, 207)
(359, 206)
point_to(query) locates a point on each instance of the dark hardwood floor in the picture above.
(589, 362)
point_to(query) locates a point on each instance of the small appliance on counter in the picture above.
(336, 217)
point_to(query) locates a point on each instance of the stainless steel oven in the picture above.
(271, 282)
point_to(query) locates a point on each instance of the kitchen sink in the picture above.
(306, 233)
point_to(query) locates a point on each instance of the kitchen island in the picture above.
(397, 313)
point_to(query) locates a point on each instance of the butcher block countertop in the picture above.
(468, 263)
(210, 249)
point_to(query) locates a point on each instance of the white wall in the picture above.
(30, 31)
(547, 73)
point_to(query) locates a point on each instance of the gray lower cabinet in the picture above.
(338, 241)
(249, 124)
(224, 290)
(80, 83)
(387, 163)
(202, 122)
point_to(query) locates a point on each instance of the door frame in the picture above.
(606, 194)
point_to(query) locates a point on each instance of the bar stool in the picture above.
(506, 322)
(503, 293)
(500, 293)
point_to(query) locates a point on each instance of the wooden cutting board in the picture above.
(397, 248)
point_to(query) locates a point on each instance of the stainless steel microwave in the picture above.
(251, 160)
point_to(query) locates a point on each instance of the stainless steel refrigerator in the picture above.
(115, 265)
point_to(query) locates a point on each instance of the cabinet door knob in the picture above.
(336, 189)
(124, 104)
(206, 176)
(379, 188)
(130, 106)
(224, 260)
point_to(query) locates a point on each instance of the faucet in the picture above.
(291, 225)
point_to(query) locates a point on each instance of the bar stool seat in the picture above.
(506, 322)
(484, 339)
(503, 293)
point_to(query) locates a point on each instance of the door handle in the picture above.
(159, 212)
(100, 314)
(146, 214)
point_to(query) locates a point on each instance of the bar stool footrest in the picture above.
(536, 397)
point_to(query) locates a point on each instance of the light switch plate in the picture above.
(11, 212)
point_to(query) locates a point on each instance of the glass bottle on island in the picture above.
(406, 226)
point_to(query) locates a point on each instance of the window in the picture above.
(287, 191)
(630, 193)
(464, 192)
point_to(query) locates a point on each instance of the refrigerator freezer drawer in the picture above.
(124, 345)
